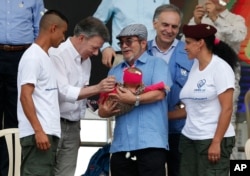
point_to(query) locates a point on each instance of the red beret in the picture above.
(198, 31)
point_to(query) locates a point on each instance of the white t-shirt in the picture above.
(35, 67)
(200, 95)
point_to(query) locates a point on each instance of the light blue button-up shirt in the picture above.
(19, 21)
(126, 12)
(146, 125)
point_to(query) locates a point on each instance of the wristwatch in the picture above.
(137, 100)
(179, 105)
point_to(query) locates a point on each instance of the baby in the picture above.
(132, 80)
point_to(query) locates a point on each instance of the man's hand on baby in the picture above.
(123, 95)
(107, 84)
(108, 108)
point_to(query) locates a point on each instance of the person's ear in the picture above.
(53, 28)
(155, 23)
(201, 42)
(82, 37)
(144, 43)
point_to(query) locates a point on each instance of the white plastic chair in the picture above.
(14, 149)
(247, 149)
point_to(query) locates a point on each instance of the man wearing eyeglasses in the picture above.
(141, 135)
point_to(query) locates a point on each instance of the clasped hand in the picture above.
(123, 95)
(209, 8)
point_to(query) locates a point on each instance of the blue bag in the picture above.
(99, 163)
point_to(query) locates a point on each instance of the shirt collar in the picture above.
(154, 45)
(222, 14)
(141, 59)
(73, 52)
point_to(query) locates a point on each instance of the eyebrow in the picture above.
(173, 25)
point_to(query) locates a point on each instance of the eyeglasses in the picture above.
(128, 42)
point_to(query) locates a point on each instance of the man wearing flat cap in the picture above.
(140, 136)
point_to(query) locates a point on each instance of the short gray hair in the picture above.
(167, 8)
(91, 27)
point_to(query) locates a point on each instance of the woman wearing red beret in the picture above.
(208, 135)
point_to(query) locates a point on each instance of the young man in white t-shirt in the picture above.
(38, 108)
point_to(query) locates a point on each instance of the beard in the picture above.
(129, 59)
(135, 55)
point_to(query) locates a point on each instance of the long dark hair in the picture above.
(223, 50)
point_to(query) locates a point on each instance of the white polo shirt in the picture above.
(35, 67)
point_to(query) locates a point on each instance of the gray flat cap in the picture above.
(138, 30)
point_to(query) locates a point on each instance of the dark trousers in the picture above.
(8, 99)
(173, 155)
(144, 162)
(194, 157)
(36, 162)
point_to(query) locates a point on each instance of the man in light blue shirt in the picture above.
(141, 135)
(123, 13)
(19, 24)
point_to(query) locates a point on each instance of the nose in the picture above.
(185, 46)
(63, 38)
(169, 29)
(96, 52)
